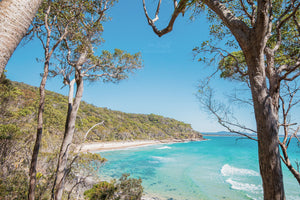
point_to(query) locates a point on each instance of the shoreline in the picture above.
(119, 145)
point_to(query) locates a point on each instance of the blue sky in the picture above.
(165, 86)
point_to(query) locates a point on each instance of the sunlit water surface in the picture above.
(218, 168)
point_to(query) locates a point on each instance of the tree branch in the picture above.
(226, 124)
(263, 22)
(237, 27)
(246, 12)
(281, 22)
(287, 162)
(289, 70)
(86, 134)
(180, 8)
(292, 78)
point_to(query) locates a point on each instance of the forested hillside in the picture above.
(18, 119)
(19, 105)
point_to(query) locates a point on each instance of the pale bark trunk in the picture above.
(67, 140)
(32, 172)
(15, 19)
(266, 114)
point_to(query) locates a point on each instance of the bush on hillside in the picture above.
(124, 188)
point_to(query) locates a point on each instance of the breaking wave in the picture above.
(164, 147)
(228, 170)
(238, 178)
(244, 186)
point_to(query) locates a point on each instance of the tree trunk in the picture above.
(32, 172)
(268, 151)
(266, 114)
(15, 19)
(67, 140)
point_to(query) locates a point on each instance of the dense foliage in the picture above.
(18, 109)
(21, 112)
(124, 188)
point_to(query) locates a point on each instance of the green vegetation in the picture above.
(124, 188)
(18, 115)
(20, 111)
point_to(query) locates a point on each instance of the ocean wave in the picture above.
(158, 158)
(162, 159)
(244, 186)
(250, 197)
(165, 147)
(228, 170)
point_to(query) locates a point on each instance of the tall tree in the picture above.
(253, 24)
(15, 19)
(232, 66)
(80, 63)
(51, 15)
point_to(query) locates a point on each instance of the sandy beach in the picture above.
(115, 145)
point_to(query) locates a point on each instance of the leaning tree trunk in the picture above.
(266, 114)
(67, 140)
(15, 19)
(35, 153)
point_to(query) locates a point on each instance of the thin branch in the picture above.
(292, 78)
(58, 42)
(253, 7)
(289, 70)
(219, 51)
(295, 134)
(244, 101)
(41, 40)
(175, 4)
(180, 8)
(296, 23)
(292, 124)
(224, 123)
(86, 134)
(287, 162)
(101, 75)
(157, 12)
(69, 53)
(280, 23)
(82, 180)
(288, 143)
(245, 10)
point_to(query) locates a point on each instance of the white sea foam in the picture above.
(162, 159)
(165, 147)
(228, 170)
(250, 197)
(158, 158)
(244, 186)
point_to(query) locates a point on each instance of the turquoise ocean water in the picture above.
(218, 168)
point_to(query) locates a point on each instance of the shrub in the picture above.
(125, 188)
